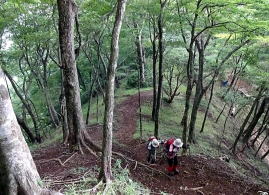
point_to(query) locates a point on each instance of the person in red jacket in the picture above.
(172, 146)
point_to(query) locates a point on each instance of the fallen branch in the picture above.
(53, 159)
(69, 158)
(141, 164)
(92, 190)
(135, 165)
(197, 189)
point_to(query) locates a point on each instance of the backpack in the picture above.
(168, 143)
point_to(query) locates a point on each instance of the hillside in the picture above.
(201, 171)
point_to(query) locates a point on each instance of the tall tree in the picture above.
(160, 78)
(106, 173)
(77, 133)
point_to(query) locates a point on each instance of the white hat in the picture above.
(178, 143)
(155, 143)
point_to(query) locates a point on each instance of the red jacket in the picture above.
(171, 150)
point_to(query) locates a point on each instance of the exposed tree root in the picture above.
(53, 159)
(141, 164)
(69, 158)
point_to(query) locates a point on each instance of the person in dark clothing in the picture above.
(153, 143)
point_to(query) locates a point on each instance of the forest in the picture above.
(134, 97)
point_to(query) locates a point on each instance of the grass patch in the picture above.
(55, 137)
(122, 183)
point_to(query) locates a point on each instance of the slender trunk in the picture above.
(255, 120)
(18, 173)
(26, 129)
(154, 79)
(160, 81)
(106, 172)
(184, 120)
(207, 108)
(265, 154)
(262, 127)
(195, 107)
(265, 128)
(242, 128)
(97, 107)
(90, 98)
(52, 112)
(139, 104)
(27, 106)
(140, 55)
(221, 112)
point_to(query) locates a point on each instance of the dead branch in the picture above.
(135, 165)
(69, 158)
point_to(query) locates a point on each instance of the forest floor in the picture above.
(199, 174)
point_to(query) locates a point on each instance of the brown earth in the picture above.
(204, 174)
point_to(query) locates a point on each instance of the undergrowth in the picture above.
(122, 183)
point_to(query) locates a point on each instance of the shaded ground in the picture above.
(205, 174)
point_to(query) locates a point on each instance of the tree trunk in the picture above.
(90, 98)
(260, 146)
(78, 135)
(26, 129)
(160, 81)
(140, 55)
(265, 154)
(184, 120)
(262, 127)
(52, 112)
(199, 91)
(154, 72)
(106, 172)
(207, 108)
(18, 173)
(242, 128)
(255, 120)
(27, 106)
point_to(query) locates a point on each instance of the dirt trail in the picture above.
(212, 176)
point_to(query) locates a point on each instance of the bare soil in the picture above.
(198, 174)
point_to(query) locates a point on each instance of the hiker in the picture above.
(153, 143)
(172, 146)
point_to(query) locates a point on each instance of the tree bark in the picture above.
(78, 135)
(106, 172)
(18, 173)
